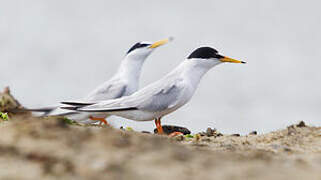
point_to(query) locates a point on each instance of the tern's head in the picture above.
(210, 57)
(141, 50)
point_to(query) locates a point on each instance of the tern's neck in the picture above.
(194, 70)
(130, 69)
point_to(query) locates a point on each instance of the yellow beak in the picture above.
(159, 43)
(230, 60)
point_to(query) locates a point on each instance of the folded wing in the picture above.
(155, 97)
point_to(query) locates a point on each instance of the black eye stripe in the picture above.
(137, 45)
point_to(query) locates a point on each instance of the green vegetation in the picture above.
(4, 116)
(129, 129)
(188, 136)
(69, 121)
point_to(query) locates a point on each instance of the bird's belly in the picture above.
(84, 117)
(57, 112)
(137, 115)
(79, 117)
(168, 111)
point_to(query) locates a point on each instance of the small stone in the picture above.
(210, 132)
(146, 132)
(179, 138)
(253, 133)
(291, 130)
(168, 129)
(275, 146)
(287, 149)
(206, 139)
(197, 137)
(236, 135)
(301, 124)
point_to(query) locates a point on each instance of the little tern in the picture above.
(163, 96)
(123, 83)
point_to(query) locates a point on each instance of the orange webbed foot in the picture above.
(173, 134)
(102, 120)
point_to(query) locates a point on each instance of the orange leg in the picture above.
(102, 120)
(159, 126)
(173, 134)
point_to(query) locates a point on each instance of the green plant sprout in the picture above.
(4, 116)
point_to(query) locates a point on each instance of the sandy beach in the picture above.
(51, 148)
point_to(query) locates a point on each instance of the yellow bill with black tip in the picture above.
(159, 43)
(230, 60)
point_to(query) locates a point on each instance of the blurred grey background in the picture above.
(60, 50)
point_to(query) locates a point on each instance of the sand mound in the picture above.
(36, 148)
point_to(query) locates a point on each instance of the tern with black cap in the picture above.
(163, 96)
(124, 82)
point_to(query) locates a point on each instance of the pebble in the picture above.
(179, 138)
(236, 135)
(168, 129)
(146, 132)
(291, 130)
(210, 132)
(301, 124)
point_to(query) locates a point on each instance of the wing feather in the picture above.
(112, 89)
(155, 97)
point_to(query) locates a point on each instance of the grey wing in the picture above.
(156, 97)
(161, 96)
(105, 106)
(109, 90)
(59, 112)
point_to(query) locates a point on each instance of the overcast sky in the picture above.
(60, 50)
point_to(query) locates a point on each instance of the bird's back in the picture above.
(111, 89)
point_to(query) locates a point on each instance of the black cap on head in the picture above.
(137, 45)
(205, 53)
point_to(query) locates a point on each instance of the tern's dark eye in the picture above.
(137, 45)
(205, 53)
